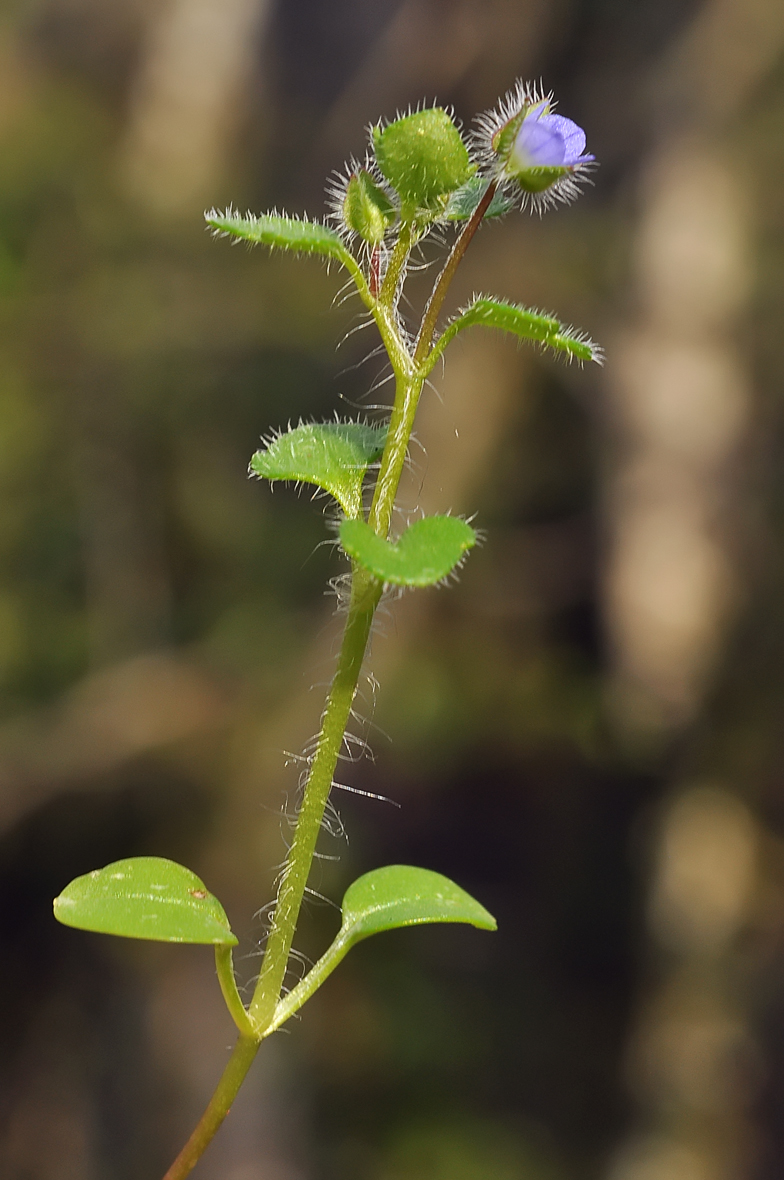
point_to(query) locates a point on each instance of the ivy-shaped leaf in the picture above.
(426, 553)
(332, 455)
(387, 899)
(285, 233)
(145, 897)
(521, 322)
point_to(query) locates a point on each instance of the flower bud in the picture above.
(545, 149)
(542, 153)
(367, 210)
(423, 157)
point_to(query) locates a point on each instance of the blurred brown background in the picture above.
(587, 732)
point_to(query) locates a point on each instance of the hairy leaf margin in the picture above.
(523, 322)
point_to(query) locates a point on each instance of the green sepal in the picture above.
(332, 455)
(428, 551)
(423, 157)
(503, 140)
(387, 899)
(537, 180)
(521, 322)
(367, 210)
(531, 180)
(463, 203)
(145, 897)
(284, 233)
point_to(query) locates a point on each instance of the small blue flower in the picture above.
(548, 141)
(523, 144)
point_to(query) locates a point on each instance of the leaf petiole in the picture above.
(224, 967)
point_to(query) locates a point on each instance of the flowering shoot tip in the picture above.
(528, 147)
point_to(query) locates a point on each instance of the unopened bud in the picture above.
(367, 209)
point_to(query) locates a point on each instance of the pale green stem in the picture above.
(383, 314)
(365, 593)
(219, 1106)
(265, 1012)
(395, 270)
(294, 999)
(408, 387)
(228, 985)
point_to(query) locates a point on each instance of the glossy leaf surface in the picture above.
(386, 899)
(332, 455)
(520, 322)
(426, 553)
(400, 895)
(145, 897)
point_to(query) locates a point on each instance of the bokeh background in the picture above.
(587, 732)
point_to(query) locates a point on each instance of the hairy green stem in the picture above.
(306, 987)
(397, 263)
(261, 1017)
(365, 593)
(408, 387)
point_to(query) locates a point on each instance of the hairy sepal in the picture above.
(366, 209)
(427, 552)
(333, 456)
(522, 322)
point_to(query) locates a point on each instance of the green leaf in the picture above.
(145, 897)
(332, 455)
(400, 895)
(422, 156)
(426, 553)
(520, 322)
(386, 899)
(462, 203)
(285, 233)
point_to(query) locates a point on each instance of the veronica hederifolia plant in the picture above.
(420, 173)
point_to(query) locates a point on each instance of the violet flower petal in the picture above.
(572, 136)
(538, 145)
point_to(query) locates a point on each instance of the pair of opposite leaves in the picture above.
(335, 456)
(152, 898)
